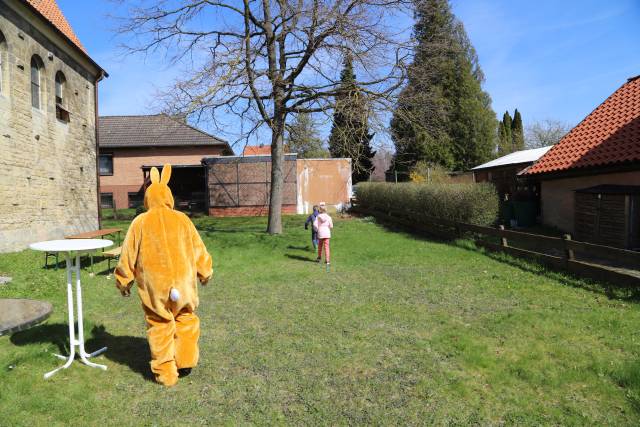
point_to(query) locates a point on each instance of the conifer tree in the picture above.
(350, 136)
(517, 132)
(505, 141)
(302, 138)
(443, 116)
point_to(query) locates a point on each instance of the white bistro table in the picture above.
(73, 249)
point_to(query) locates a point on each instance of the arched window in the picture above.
(62, 112)
(36, 87)
(4, 70)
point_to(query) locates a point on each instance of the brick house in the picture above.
(590, 180)
(131, 145)
(48, 93)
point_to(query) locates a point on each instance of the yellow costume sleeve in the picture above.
(126, 269)
(204, 263)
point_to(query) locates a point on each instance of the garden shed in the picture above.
(240, 185)
(596, 167)
(608, 215)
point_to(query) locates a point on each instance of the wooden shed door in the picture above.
(602, 219)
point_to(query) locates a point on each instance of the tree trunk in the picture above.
(277, 177)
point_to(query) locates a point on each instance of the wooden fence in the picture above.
(583, 259)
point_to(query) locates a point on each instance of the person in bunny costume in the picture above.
(166, 257)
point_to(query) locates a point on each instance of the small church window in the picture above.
(36, 88)
(62, 113)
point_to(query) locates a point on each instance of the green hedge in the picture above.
(469, 203)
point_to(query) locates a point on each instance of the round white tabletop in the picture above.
(70, 245)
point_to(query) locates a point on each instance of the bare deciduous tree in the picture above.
(263, 60)
(545, 133)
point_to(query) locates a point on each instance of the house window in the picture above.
(106, 164)
(62, 113)
(3, 62)
(106, 200)
(36, 69)
(136, 199)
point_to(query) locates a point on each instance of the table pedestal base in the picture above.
(73, 342)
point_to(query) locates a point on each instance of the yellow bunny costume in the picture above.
(163, 251)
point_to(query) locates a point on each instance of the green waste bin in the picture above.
(506, 211)
(525, 212)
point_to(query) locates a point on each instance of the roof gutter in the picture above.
(481, 168)
(101, 75)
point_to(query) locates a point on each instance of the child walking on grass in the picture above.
(323, 224)
(314, 232)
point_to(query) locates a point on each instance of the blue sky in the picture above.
(550, 59)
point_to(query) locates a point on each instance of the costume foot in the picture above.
(183, 372)
(167, 381)
(328, 267)
(318, 260)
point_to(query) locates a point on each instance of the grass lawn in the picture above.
(402, 331)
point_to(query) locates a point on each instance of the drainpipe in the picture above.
(101, 75)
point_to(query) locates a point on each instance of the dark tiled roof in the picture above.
(152, 131)
(609, 136)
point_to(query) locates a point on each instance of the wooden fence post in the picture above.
(503, 240)
(568, 253)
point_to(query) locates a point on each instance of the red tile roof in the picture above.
(257, 150)
(51, 12)
(260, 150)
(608, 136)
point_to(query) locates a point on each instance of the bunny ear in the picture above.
(166, 174)
(155, 176)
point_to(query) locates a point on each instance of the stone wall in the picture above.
(48, 183)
